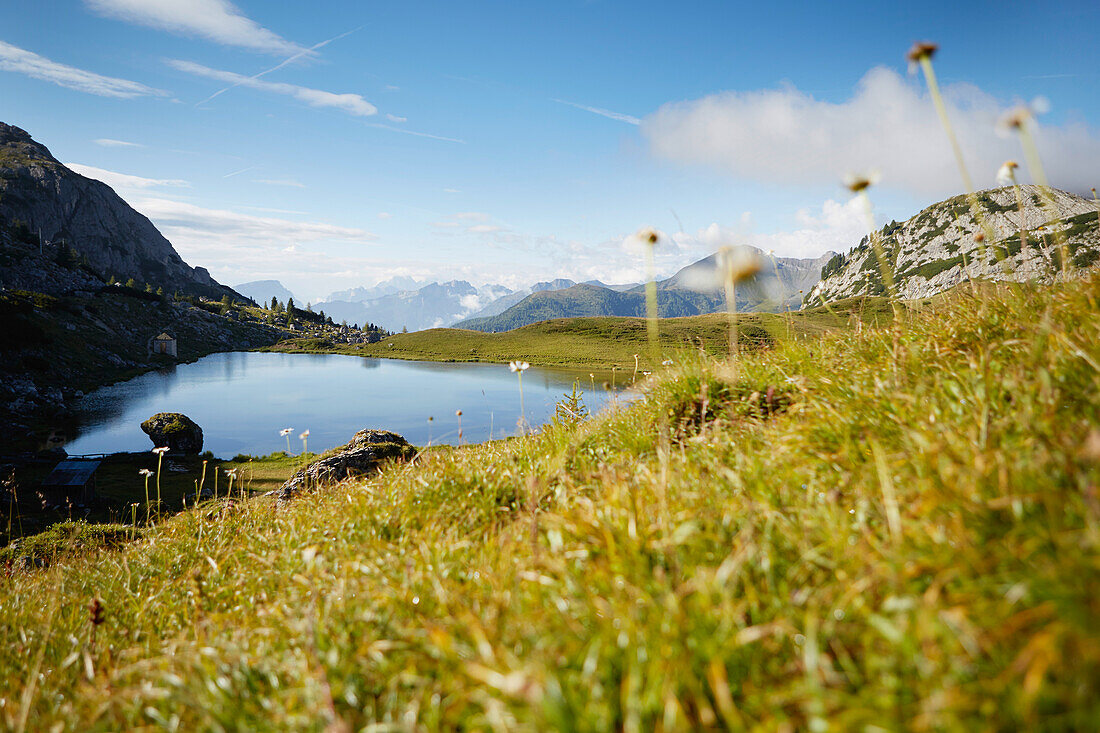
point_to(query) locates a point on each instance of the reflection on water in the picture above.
(243, 399)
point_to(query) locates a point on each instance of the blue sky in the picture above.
(517, 141)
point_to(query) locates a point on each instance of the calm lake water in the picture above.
(242, 400)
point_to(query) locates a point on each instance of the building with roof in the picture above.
(71, 482)
(164, 344)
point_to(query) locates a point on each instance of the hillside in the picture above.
(606, 342)
(66, 332)
(883, 529)
(506, 301)
(694, 290)
(44, 198)
(938, 248)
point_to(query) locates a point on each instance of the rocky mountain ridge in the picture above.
(67, 210)
(940, 247)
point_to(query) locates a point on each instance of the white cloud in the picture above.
(107, 142)
(385, 215)
(351, 103)
(215, 20)
(483, 228)
(21, 61)
(234, 231)
(472, 216)
(124, 180)
(837, 227)
(618, 116)
(236, 247)
(280, 182)
(395, 118)
(889, 124)
(451, 190)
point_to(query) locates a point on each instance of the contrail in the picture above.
(414, 132)
(618, 116)
(290, 60)
(237, 173)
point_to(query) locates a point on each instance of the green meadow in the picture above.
(605, 343)
(875, 528)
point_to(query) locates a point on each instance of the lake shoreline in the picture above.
(242, 400)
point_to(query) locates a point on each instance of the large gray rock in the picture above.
(177, 431)
(362, 455)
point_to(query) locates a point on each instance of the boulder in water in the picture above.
(177, 431)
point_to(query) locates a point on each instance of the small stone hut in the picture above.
(70, 482)
(163, 344)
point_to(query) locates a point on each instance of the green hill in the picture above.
(875, 529)
(589, 300)
(694, 290)
(606, 342)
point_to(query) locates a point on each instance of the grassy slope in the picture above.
(119, 485)
(911, 544)
(599, 342)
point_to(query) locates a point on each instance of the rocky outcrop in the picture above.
(173, 429)
(363, 455)
(940, 247)
(71, 211)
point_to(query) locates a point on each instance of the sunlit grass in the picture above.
(815, 544)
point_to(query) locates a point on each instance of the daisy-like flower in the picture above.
(648, 235)
(286, 431)
(1021, 116)
(1006, 174)
(739, 263)
(304, 435)
(161, 451)
(921, 50)
(458, 413)
(856, 182)
(518, 366)
(145, 472)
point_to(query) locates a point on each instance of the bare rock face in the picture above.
(940, 247)
(177, 431)
(70, 210)
(363, 455)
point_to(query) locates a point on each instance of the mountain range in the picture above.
(429, 306)
(262, 291)
(694, 290)
(945, 245)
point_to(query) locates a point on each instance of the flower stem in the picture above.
(651, 301)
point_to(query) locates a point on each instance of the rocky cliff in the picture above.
(941, 247)
(64, 332)
(71, 211)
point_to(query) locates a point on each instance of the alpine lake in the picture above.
(244, 400)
